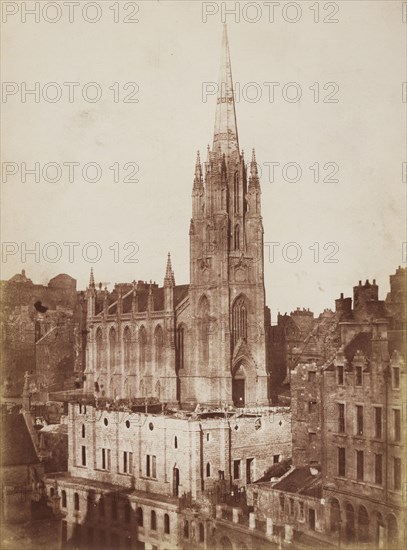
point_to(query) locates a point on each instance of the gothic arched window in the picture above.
(204, 329)
(239, 320)
(166, 524)
(127, 347)
(99, 343)
(181, 347)
(236, 193)
(237, 237)
(143, 346)
(158, 345)
(112, 348)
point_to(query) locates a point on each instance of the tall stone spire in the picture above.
(225, 139)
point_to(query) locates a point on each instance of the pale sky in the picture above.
(170, 54)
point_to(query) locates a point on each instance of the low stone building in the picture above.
(162, 464)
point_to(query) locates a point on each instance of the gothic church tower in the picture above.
(227, 351)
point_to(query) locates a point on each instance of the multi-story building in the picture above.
(346, 485)
(204, 342)
(160, 465)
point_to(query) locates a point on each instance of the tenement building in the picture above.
(346, 485)
(203, 342)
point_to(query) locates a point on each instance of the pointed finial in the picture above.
(169, 273)
(198, 169)
(253, 165)
(91, 279)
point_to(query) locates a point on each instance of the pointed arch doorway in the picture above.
(239, 387)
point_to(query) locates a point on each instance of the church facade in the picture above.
(204, 342)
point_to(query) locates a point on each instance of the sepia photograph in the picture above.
(203, 277)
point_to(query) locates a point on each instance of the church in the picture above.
(202, 343)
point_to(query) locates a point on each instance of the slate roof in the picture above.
(17, 447)
(299, 480)
(180, 292)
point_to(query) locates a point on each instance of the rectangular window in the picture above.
(83, 455)
(397, 473)
(341, 461)
(378, 469)
(151, 466)
(341, 417)
(105, 459)
(359, 420)
(276, 459)
(127, 462)
(311, 376)
(396, 377)
(339, 372)
(359, 376)
(312, 406)
(312, 437)
(359, 465)
(378, 422)
(397, 424)
(236, 469)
